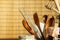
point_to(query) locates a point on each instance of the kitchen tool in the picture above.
(50, 27)
(51, 8)
(36, 20)
(27, 27)
(35, 29)
(45, 17)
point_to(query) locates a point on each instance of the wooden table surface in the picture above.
(9, 39)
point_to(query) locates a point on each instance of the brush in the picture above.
(36, 20)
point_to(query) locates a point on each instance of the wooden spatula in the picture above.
(36, 20)
(28, 28)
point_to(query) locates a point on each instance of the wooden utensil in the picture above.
(51, 8)
(36, 20)
(45, 17)
(50, 23)
(28, 28)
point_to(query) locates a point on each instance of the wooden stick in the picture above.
(22, 14)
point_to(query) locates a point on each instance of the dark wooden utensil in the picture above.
(50, 23)
(36, 20)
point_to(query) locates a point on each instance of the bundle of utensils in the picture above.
(36, 28)
(45, 33)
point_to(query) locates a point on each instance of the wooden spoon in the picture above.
(50, 23)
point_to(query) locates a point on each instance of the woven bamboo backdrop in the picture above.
(11, 19)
